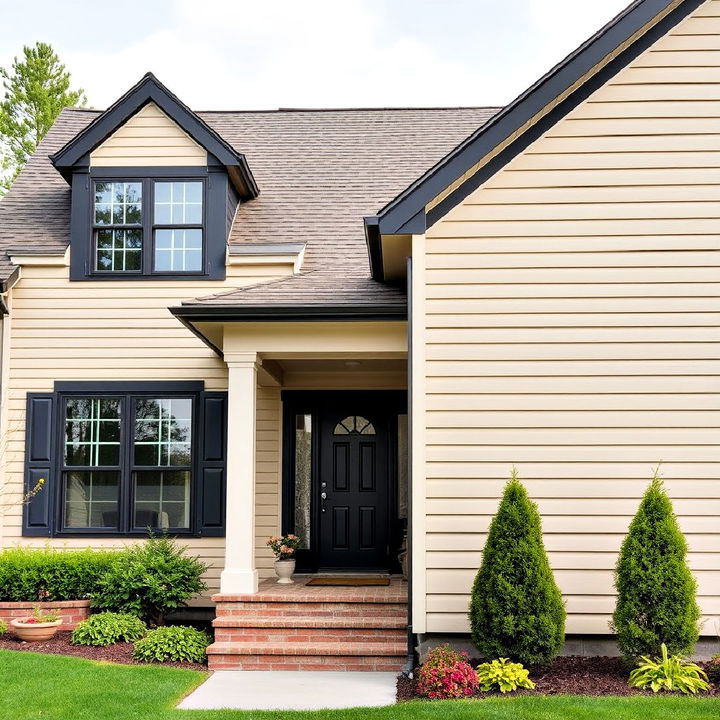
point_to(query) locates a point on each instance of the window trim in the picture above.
(147, 227)
(127, 393)
(220, 200)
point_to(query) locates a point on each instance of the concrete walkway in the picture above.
(286, 690)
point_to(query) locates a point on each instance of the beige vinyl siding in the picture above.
(148, 138)
(123, 330)
(572, 328)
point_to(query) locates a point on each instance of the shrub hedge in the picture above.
(32, 574)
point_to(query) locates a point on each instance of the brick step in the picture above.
(287, 609)
(361, 621)
(371, 657)
(304, 594)
(335, 663)
(311, 635)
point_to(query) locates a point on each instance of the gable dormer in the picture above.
(154, 191)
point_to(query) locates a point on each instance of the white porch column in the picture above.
(239, 574)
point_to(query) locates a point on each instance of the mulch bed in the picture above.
(567, 676)
(60, 645)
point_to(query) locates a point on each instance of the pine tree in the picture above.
(36, 90)
(516, 609)
(656, 591)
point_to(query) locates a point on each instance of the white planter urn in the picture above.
(284, 569)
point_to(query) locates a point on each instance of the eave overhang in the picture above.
(520, 123)
(193, 315)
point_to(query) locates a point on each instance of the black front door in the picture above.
(352, 489)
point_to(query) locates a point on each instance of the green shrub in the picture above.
(504, 676)
(32, 574)
(150, 580)
(108, 628)
(3, 627)
(656, 591)
(669, 673)
(172, 643)
(516, 609)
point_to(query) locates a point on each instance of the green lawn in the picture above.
(53, 687)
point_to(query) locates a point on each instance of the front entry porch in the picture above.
(302, 627)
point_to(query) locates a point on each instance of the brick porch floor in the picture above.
(301, 627)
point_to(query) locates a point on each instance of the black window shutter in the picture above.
(40, 462)
(210, 498)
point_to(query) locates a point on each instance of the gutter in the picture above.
(289, 313)
(408, 667)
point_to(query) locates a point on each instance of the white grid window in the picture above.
(178, 203)
(177, 219)
(178, 250)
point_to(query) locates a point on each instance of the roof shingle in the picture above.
(319, 172)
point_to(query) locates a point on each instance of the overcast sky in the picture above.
(260, 54)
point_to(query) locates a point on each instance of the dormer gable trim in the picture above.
(150, 90)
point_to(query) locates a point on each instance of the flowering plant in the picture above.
(446, 674)
(39, 616)
(284, 547)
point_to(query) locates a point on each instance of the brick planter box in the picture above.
(71, 611)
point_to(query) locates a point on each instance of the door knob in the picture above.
(323, 498)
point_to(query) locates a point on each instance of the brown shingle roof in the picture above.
(319, 173)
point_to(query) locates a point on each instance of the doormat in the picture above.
(349, 581)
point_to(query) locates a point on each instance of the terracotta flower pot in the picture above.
(35, 632)
(284, 569)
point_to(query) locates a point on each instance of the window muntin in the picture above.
(178, 203)
(91, 462)
(127, 463)
(117, 222)
(178, 250)
(178, 226)
(354, 425)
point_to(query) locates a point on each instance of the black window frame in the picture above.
(220, 201)
(127, 468)
(202, 226)
(148, 228)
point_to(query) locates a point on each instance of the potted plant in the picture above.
(284, 548)
(37, 627)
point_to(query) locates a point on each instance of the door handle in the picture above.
(323, 498)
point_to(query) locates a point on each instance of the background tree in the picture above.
(36, 88)
(516, 609)
(656, 591)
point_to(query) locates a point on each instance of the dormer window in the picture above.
(178, 226)
(148, 226)
(154, 191)
(117, 226)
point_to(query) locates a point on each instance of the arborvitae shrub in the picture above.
(516, 609)
(656, 591)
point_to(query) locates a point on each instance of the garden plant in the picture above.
(656, 591)
(516, 609)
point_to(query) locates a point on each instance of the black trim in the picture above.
(129, 386)
(292, 313)
(150, 89)
(44, 456)
(406, 214)
(218, 202)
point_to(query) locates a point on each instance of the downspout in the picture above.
(407, 669)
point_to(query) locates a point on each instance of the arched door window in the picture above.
(354, 425)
